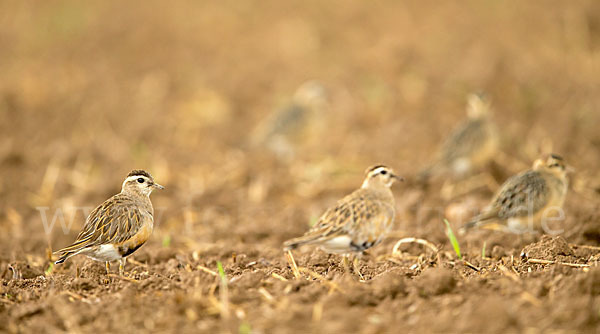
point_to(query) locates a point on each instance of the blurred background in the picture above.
(257, 116)
(193, 91)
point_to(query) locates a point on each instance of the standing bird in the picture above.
(358, 221)
(283, 129)
(119, 226)
(470, 146)
(525, 199)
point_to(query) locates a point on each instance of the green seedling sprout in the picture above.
(49, 269)
(453, 239)
(223, 292)
(483, 250)
(221, 273)
(245, 328)
(166, 241)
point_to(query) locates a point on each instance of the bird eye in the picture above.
(140, 180)
(383, 172)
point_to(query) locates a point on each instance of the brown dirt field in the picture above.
(91, 90)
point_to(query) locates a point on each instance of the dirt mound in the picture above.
(548, 248)
(436, 281)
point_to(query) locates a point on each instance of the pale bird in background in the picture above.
(470, 146)
(281, 131)
(119, 226)
(524, 200)
(357, 222)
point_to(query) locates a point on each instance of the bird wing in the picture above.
(359, 215)
(287, 119)
(372, 224)
(523, 195)
(114, 221)
(464, 140)
(519, 196)
(281, 123)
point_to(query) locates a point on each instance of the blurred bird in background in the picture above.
(283, 130)
(469, 147)
(525, 199)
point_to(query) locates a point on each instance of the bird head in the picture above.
(478, 106)
(553, 164)
(140, 182)
(380, 175)
(311, 94)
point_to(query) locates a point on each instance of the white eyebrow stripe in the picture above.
(378, 170)
(135, 177)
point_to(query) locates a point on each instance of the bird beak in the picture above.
(569, 169)
(158, 186)
(399, 178)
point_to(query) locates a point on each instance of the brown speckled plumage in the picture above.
(358, 221)
(523, 198)
(470, 146)
(124, 222)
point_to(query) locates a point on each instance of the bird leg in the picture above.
(357, 268)
(346, 264)
(107, 267)
(122, 263)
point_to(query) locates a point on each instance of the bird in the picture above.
(470, 146)
(119, 226)
(525, 199)
(281, 130)
(358, 221)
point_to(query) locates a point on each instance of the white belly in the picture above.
(104, 253)
(520, 225)
(461, 166)
(338, 245)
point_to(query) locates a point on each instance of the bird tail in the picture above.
(69, 251)
(291, 244)
(424, 175)
(480, 220)
(463, 229)
(427, 173)
(297, 242)
(63, 256)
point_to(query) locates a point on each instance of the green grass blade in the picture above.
(166, 241)
(245, 328)
(50, 268)
(221, 272)
(453, 239)
(483, 250)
